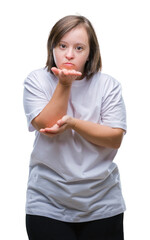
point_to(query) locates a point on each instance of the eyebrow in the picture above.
(78, 43)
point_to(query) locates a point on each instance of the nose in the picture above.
(69, 54)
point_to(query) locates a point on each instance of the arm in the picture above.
(57, 106)
(98, 134)
(95, 133)
(113, 110)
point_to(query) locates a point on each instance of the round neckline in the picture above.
(79, 82)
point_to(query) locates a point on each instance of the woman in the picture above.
(79, 120)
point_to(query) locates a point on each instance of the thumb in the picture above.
(62, 121)
(65, 118)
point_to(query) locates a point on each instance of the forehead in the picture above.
(77, 34)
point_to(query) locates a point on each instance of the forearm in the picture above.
(55, 109)
(98, 134)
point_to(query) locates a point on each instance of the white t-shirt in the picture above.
(71, 179)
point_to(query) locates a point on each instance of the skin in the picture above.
(72, 51)
(70, 57)
(95, 133)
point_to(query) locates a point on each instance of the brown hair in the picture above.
(64, 25)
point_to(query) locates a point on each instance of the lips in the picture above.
(68, 65)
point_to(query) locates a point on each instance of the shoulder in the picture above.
(38, 73)
(105, 82)
(104, 78)
(39, 77)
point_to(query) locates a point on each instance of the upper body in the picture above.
(68, 172)
(79, 121)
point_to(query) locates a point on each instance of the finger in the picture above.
(42, 130)
(63, 120)
(59, 72)
(55, 70)
(45, 131)
(53, 129)
(64, 72)
(75, 73)
(50, 134)
(60, 122)
(71, 72)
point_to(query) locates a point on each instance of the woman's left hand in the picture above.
(61, 125)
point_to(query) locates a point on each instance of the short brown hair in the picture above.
(64, 25)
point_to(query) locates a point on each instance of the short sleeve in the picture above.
(113, 111)
(34, 99)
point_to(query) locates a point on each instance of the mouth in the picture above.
(68, 65)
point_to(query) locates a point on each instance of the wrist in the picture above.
(72, 122)
(65, 84)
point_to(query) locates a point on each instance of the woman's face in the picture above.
(73, 50)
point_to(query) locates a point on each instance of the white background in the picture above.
(123, 29)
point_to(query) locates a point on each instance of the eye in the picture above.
(62, 46)
(79, 48)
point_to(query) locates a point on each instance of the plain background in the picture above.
(122, 28)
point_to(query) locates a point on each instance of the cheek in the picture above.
(84, 57)
(82, 60)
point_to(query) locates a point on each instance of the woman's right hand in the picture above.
(65, 76)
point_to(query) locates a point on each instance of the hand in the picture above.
(65, 76)
(65, 123)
